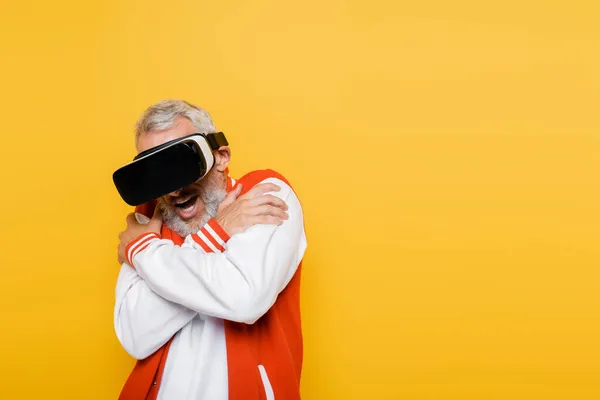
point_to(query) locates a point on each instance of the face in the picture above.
(186, 210)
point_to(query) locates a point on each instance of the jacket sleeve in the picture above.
(143, 320)
(239, 284)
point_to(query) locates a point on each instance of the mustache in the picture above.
(184, 193)
(211, 199)
(188, 191)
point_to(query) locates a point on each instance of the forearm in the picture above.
(206, 283)
(143, 320)
(240, 284)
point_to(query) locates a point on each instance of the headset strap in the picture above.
(216, 140)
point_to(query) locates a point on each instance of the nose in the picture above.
(175, 193)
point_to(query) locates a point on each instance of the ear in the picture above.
(222, 157)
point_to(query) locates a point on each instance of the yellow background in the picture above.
(446, 154)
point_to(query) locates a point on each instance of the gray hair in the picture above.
(161, 116)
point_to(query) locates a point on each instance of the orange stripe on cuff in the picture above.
(135, 246)
(137, 250)
(142, 249)
(204, 246)
(212, 240)
(218, 230)
(133, 243)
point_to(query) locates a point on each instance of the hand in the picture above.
(135, 229)
(237, 213)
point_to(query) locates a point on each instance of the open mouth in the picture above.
(186, 205)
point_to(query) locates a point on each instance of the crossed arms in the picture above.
(168, 285)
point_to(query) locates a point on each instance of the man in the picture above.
(207, 299)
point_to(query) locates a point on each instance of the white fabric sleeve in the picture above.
(143, 320)
(240, 284)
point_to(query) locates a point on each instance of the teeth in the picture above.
(189, 208)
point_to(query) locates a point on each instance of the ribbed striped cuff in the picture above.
(138, 245)
(211, 237)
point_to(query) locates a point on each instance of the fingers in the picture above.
(269, 210)
(157, 216)
(265, 220)
(121, 253)
(261, 189)
(238, 189)
(268, 199)
(155, 224)
(231, 196)
(234, 194)
(131, 219)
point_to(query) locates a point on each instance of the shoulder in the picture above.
(253, 178)
(286, 193)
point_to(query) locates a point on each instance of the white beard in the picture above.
(211, 198)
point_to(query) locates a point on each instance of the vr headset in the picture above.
(166, 168)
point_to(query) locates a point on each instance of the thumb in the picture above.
(232, 196)
(157, 216)
(156, 222)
